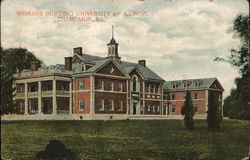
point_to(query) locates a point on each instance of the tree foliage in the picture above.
(214, 113)
(13, 60)
(188, 112)
(237, 105)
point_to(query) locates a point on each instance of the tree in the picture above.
(188, 112)
(13, 60)
(214, 113)
(237, 105)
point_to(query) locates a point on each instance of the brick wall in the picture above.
(108, 80)
(111, 96)
(179, 102)
(81, 94)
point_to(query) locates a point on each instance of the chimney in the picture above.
(78, 50)
(68, 63)
(142, 62)
(34, 66)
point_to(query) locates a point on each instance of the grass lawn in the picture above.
(135, 140)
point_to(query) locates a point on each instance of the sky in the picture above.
(178, 38)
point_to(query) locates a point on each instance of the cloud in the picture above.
(179, 39)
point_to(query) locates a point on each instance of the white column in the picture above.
(70, 98)
(162, 100)
(128, 92)
(143, 100)
(92, 96)
(39, 97)
(54, 97)
(26, 99)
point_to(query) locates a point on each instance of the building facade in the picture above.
(200, 89)
(93, 87)
(90, 87)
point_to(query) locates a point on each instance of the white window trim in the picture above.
(157, 91)
(153, 89)
(172, 109)
(174, 85)
(102, 86)
(80, 85)
(120, 87)
(158, 108)
(148, 88)
(196, 97)
(148, 108)
(102, 108)
(153, 108)
(184, 96)
(120, 105)
(79, 108)
(112, 107)
(112, 86)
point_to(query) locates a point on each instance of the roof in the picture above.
(112, 41)
(127, 66)
(205, 83)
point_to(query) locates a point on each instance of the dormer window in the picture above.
(174, 85)
(83, 66)
(185, 85)
(196, 84)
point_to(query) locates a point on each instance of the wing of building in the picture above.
(200, 89)
(93, 87)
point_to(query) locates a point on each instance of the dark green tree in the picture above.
(214, 113)
(188, 112)
(237, 105)
(13, 60)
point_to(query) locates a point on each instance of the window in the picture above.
(81, 105)
(101, 85)
(185, 85)
(148, 108)
(111, 105)
(174, 85)
(220, 96)
(120, 87)
(158, 108)
(157, 89)
(147, 88)
(32, 88)
(173, 96)
(81, 85)
(173, 109)
(153, 108)
(134, 84)
(101, 105)
(63, 87)
(164, 97)
(195, 108)
(111, 86)
(196, 84)
(184, 95)
(152, 89)
(120, 106)
(83, 67)
(113, 50)
(49, 87)
(196, 96)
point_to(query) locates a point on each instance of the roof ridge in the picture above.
(193, 79)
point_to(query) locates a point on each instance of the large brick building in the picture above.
(93, 87)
